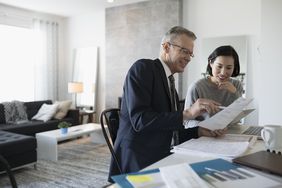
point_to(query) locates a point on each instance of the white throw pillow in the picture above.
(46, 112)
(63, 108)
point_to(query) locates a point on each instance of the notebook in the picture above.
(262, 160)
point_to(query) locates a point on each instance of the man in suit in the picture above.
(148, 118)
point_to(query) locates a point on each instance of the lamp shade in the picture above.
(93, 88)
(75, 87)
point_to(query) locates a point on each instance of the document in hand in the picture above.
(221, 119)
(229, 145)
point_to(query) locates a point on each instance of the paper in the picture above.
(229, 146)
(146, 180)
(221, 119)
(243, 114)
(181, 176)
(221, 174)
(216, 173)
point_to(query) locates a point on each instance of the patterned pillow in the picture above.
(15, 112)
(2, 114)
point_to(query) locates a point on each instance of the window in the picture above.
(17, 48)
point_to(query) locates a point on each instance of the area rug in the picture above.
(81, 164)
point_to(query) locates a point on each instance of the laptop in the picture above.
(236, 128)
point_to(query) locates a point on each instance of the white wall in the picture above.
(218, 18)
(271, 63)
(212, 19)
(84, 31)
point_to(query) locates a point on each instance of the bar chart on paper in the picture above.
(220, 173)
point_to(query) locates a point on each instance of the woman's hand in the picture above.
(227, 86)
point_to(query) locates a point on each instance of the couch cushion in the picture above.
(12, 144)
(32, 127)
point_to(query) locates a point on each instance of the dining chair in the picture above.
(4, 164)
(110, 118)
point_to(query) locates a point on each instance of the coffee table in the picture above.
(47, 142)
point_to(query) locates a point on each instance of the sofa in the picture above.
(18, 142)
(33, 126)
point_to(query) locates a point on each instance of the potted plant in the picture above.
(64, 127)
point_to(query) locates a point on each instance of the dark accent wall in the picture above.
(133, 32)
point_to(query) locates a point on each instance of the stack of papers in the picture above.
(229, 145)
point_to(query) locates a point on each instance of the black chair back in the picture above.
(110, 117)
(6, 166)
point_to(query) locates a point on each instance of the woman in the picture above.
(223, 63)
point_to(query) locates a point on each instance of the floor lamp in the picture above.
(75, 87)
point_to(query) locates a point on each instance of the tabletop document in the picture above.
(229, 145)
(216, 173)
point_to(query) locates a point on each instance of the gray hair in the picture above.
(174, 32)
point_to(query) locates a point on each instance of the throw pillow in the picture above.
(63, 108)
(46, 112)
(15, 112)
(2, 114)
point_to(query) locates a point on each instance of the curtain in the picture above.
(46, 54)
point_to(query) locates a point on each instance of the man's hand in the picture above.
(206, 132)
(199, 107)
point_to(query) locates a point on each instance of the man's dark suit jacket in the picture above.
(146, 120)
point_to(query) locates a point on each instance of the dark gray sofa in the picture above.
(18, 142)
(34, 126)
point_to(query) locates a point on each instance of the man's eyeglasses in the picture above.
(183, 50)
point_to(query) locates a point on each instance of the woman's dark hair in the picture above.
(224, 51)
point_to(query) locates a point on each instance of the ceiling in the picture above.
(66, 7)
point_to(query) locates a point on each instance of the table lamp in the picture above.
(75, 87)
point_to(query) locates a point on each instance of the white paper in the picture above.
(146, 180)
(221, 119)
(243, 114)
(256, 181)
(181, 176)
(227, 146)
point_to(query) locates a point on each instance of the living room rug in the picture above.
(80, 164)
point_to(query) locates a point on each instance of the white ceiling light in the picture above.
(110, 1)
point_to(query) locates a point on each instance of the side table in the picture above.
(88, 113)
